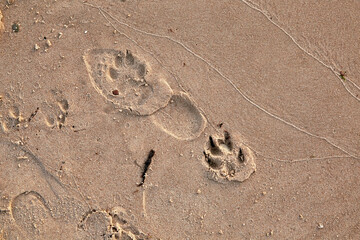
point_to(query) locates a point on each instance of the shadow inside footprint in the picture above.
(180, 118)
(227, 160)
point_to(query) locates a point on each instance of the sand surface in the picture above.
(165, 119)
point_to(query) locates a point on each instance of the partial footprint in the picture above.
(11, 121)
(96, 225)
(228, 160)
(122, 222)
(126, 81)
(55, 112)
(121, 78)
(180, 118)
(114, 224)
(10, 115)
(32, 215)
(38, 198)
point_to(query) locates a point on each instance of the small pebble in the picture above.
(15, 27)
(268, 234)
(48, 43)
(36, 47)
(320, 226)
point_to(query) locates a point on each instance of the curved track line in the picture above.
(332, 69)
(103, 12)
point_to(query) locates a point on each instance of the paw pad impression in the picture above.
(228, 160)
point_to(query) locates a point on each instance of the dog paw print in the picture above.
(55, 114)
(124, 227)
(10, 115)
(126, 81)
(114, 224)
(228, 160)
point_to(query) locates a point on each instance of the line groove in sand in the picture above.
(248, 99)
(331, 68)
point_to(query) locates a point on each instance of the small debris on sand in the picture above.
(268, 234)
(15, 27)
(10, 2)
(115, 92)
(320, 226)
(2, 28)
(36, 47)
(48, 43)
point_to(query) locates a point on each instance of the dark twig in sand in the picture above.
(146, 166)
(33, 114)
